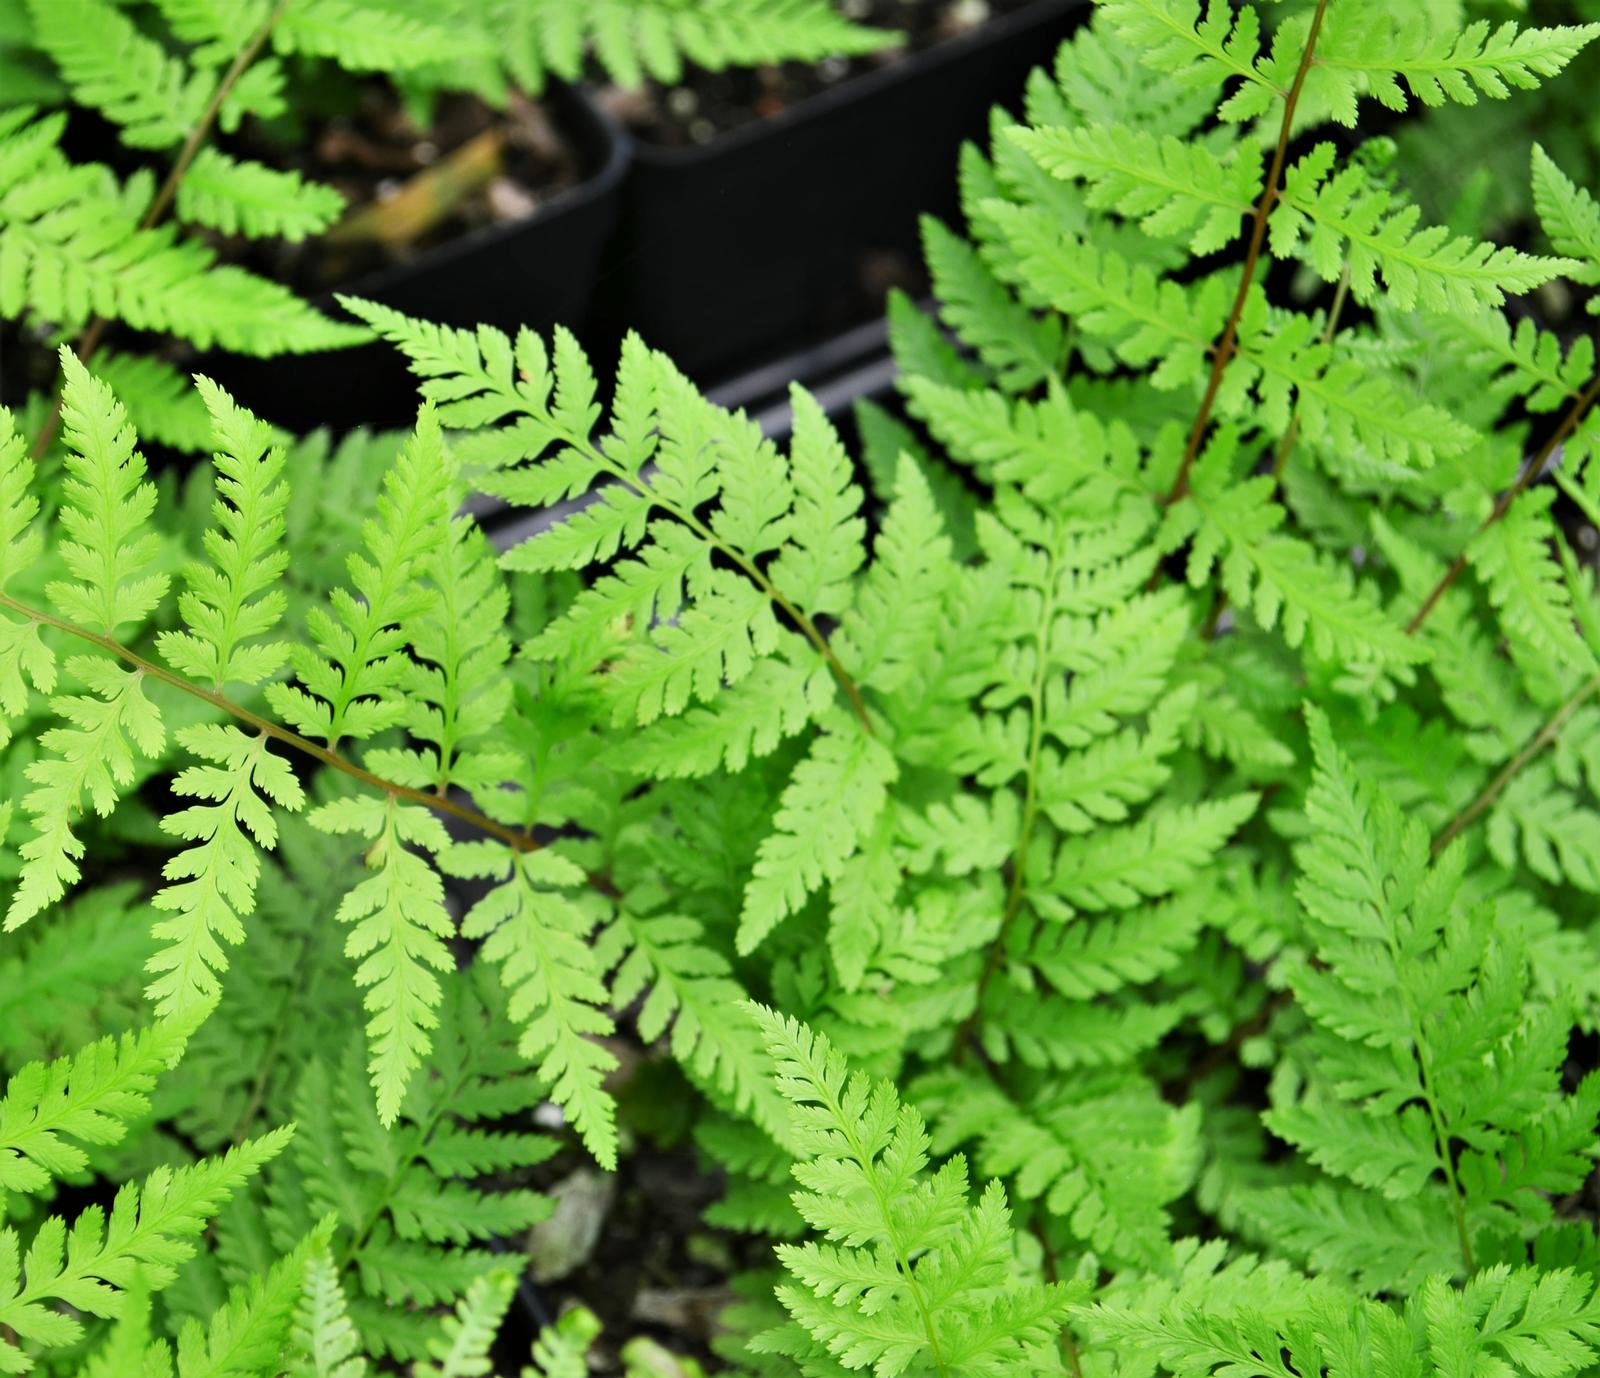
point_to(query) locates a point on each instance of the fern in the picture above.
(146, 1234)
(927, 1289)
(1448, 1041)
(89, 1098)
(1163, 760)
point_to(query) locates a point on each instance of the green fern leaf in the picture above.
(912, 1272)
(635, 38)
(248, 1332)
(691, 986)
(212, 884)
(826, 812)
(50, 1109)
(372, 37)
(1512, 557)
(778, 699)
(236, 596)
(399, 926)
(1373, 46)
(108, 727)
(889, 631)
(324, 1343)
(1345, 221)
(561, 1350)
(1570, 217)
(824, 547)
(111, 66)
(1173, 188)
(108, 505)
(538, 936)
(1282, 578)
(162, 403)
(462, 1351)
(1173, 37)
(148, 1233)
(1021, 347)
(249, 198)
(355, 674)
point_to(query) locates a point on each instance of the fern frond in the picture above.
(1346, 221)
(1173, 37)
(1164, 850)
(249, 1331)
(149, 1231)
(108, 503)
(1512, 557)
(72, 247)
(1142, 318)
(1021, 347)
(50, 1109)
(890, 629)
(369, 36)
(1174, 189)
(21, 651)
(68, 981)
(249, 198)
(457, 686)
(918, 1281)
(323, 1342)
(694, 627)
(635, 38)
(352, 681)
(561, 1350)
(1427, 1037)
(1073, 1149)
(399, 927)
(1343, 405)
(831, 802)
(1569, 215)
(94, 751)
(152, 96)
(411, 1199)
(161, 402)
(691, 988)
(1281, 578)
(1371, 47)
(539, 937)
(212, 884)
(462, 1351)
(236, 595)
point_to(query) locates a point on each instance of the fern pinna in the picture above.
(1163, 769)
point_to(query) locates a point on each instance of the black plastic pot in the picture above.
(537, 272)
(759, 241)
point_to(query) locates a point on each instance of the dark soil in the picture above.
(706, 104)
(408, 187)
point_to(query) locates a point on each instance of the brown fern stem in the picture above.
(1512, 768)
(1227, 346)
(1291, 434)
(94, 332)
(1525, 480)
(1052, 1273)
(427, 799)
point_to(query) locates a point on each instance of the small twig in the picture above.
(1052, 1274)
(1341, 295)
(1525, 480)
(1227, 345)
(1535, 744)
(94, 332)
